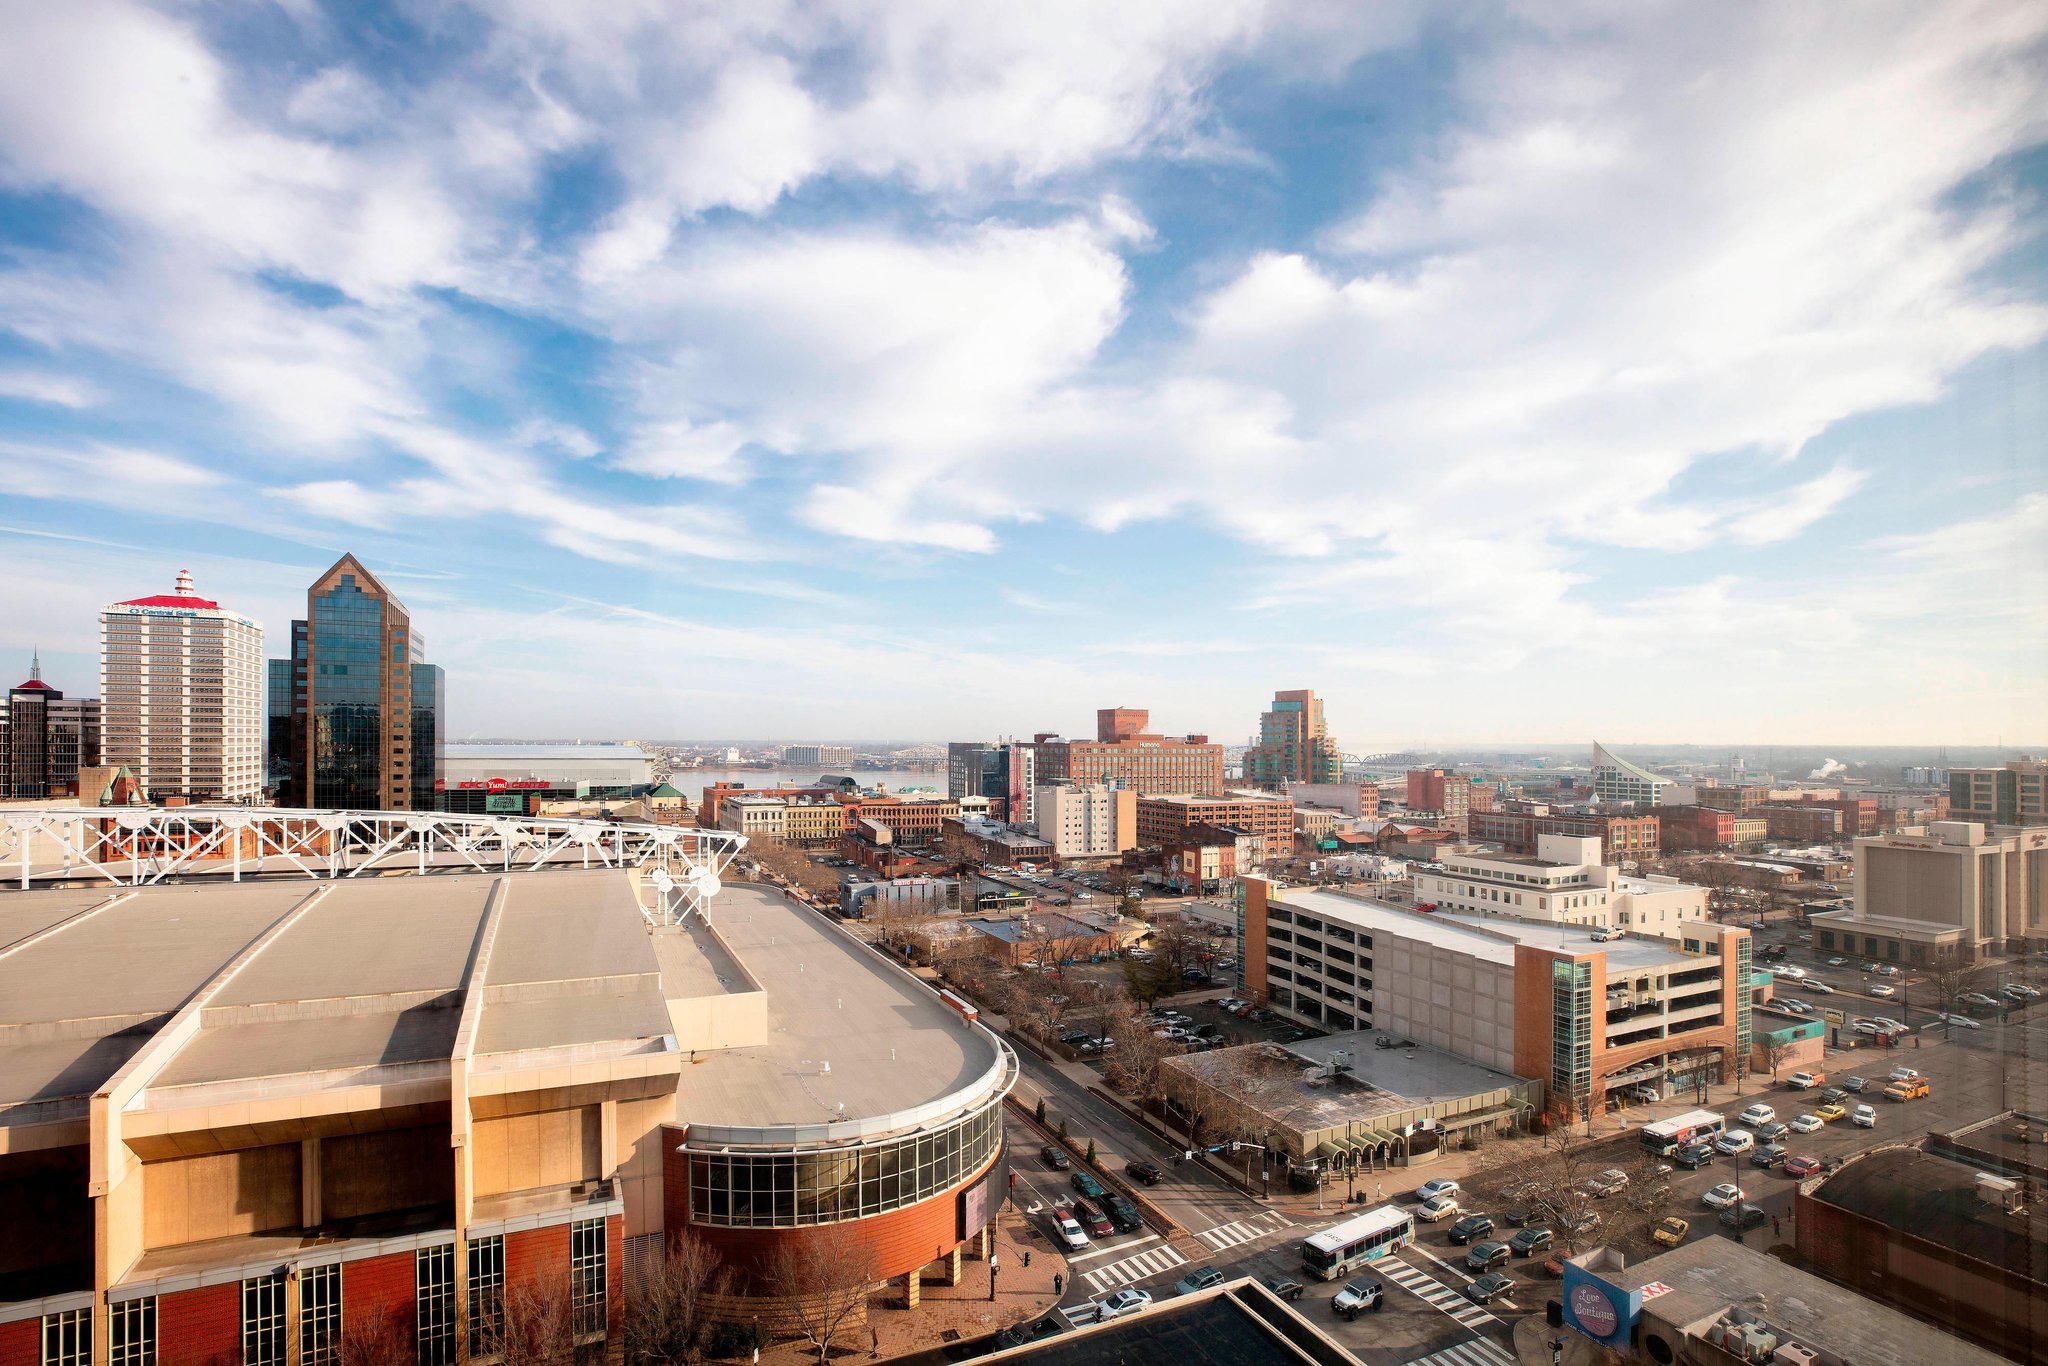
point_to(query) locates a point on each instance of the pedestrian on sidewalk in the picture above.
(1774, 1226)
(1059, 1283)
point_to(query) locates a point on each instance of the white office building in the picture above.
(1615, 779)
(1091, 821)
(1563, 883)
(182, 691)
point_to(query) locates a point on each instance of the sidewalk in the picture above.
(946, 1314)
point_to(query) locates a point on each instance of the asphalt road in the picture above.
(1426, 1318)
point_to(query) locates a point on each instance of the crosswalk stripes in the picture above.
(1135, 1267)
(1478, 1352)
(1244, 1230)
(1434, 1292)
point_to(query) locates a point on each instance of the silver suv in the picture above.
(1356, 1296)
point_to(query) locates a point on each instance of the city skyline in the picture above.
(792, 385)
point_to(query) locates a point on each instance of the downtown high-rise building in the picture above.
(1294, 744)
(45, 737)
(1001, 771)
(356, 708)
(182, 687)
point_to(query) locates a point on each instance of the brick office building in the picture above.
(1683, 828)
(1124, 754)
(1448, 795)
(1164, 821)
(1517, 829)
(1807, 824)
(240, 1119)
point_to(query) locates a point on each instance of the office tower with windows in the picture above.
(1294, 744)
(182, 682)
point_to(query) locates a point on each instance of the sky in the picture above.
(930, 371)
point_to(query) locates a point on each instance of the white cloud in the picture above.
(40, 386)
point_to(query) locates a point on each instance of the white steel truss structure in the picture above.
(677, 867)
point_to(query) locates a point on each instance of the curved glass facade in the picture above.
(792, 1189)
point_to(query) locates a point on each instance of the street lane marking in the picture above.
(1108, 1248)
(1132, 1268)
(1478, 1352)
(1434, 1293)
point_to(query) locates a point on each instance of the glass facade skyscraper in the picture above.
(365, 731)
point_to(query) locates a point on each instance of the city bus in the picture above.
(1333, 1252)
(1667, 1136)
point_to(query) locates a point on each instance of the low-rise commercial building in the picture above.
(1717, 1302)
(1353, 799)
(862, 896)
(1338, 1103)
(987, 841)
(519, 779)
(1563, 883)
(1086, 822)
(1803, 823)
(1955, 1244)
(1165, 820)
(710, 805)
(1623, 837)
(1591, 1017)
(1741, 797)
(1203, 858)
(1682, 828)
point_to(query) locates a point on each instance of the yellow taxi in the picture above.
(1830, 1113)
(1671, 1232)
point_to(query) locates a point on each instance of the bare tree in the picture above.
(825, 1277)
(1037, 1001)
(1777, 1050)
(1948, 980)
(1134, 1060)
(788, 863)
(534, 1327)
(896, 925)
(668, 1308)
(375, 1339)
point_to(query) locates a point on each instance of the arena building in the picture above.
(250, 1105)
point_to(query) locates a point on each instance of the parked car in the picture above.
(1358, 1296)
(1801, 1166)
(1818, 987)
(1722, 1196)
(1757, 1114)
(1430, 1190)
(1531, 1241)
(1735, 1141)
(1864, 1117)
(1837, 961)
(1960, 1022)
(1122, 1212)
(1980, 1000)
(1693, 1156)
(1744, 1217)
(1470, 1227)
(1487, 1255)
(1855, 1085)
(1609, 1182)
(1884, 989)
(1290, 1291)
(1053, 1157)
(1086, 1185)
(1443, 1207)
(1902, 1074)
(1830, 1113)
(1773, 1132)
(1768, 1156)
(1094, 1220)
(1144, 1173)
(1201, 1278)
(1804, 1081)
(1585, 1221)
(1070, 1233)
(1489, 1288)
(1671, 1232)
(1128, 1300)
(1808, 1124)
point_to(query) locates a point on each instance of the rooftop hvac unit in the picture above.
(1752, 1342)
(1792, 1354)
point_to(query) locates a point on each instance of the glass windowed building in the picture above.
(364, 729)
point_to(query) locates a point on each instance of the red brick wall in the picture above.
(21, 1342)
(539, 1256)
(375, 1287)
(200, 1327)
(615, 1284)
(1252, 952)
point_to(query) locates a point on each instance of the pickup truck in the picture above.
(1906, 1090)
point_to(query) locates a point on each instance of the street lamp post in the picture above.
(994, 1263)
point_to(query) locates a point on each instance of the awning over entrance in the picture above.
(1477, 1117)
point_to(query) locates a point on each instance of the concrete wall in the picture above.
(1446, 999)
(390, 1170)
(537, 1147)
(220, 1195)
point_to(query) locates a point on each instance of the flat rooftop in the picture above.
(315, 984)
(1709, 1275)
(1283, 1082)
(1935, 1198)
(891, 1046)
(1490, 938)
